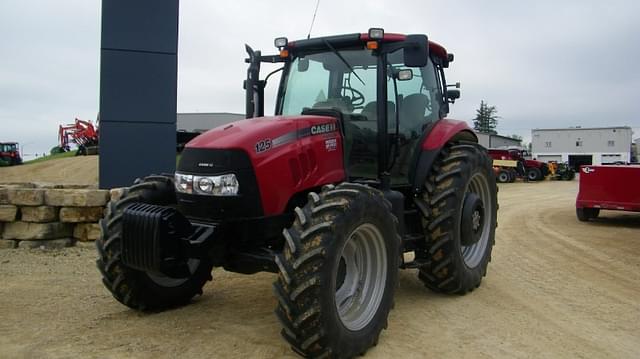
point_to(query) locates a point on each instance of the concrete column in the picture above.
(138, 81)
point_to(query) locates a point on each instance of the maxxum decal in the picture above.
(268, 143)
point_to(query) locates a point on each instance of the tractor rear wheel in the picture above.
(338, 272)
(138, 289)
(586, 214)
(460, 224)
(534, 174)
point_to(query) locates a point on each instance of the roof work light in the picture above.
(376, 33)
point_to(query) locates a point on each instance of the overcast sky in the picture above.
(541, 63)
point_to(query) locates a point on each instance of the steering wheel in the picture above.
(357, 97)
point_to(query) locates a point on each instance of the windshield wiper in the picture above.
(343, 61)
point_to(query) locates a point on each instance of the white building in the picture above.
(496, 141)
(582, 146)
(204, 121)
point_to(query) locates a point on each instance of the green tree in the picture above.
(486, 119)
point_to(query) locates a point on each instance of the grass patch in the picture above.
(52, 157)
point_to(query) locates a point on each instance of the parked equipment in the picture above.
(506, 170)
(532, 170)
(607, 187)
(9, 154)
(358, 166)
(561, 171)
(83, 133)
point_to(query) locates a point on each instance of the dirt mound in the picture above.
(72, 170)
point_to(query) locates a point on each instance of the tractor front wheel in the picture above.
(338, 272)
(504, 176)
(139, 289)
(461, 221)
(534, 174)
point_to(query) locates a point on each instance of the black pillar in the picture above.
(138, 81)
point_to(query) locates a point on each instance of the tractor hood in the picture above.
(282, 155)
(261, 135)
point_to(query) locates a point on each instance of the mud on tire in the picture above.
(137, 289)
(451, 267)
(314, 272)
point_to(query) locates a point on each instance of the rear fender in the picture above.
(434, 139)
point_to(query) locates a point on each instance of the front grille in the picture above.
(211, 162)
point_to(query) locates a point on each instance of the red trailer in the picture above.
(608, 187)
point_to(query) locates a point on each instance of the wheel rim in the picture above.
(361, 276)
(532, 175)
(474, 253)
(504, 177)
(167, 281)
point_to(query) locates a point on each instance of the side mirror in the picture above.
(453, 95)
(416, 51)
(303, 64)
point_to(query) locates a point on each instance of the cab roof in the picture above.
(355, 39)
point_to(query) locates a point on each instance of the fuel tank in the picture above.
(288, 155)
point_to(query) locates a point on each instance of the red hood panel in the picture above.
(245, 134)
(290, 154)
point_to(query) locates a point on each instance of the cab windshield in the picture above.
(348, 83)
(323, 80)
(8, 147)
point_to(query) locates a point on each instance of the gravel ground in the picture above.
(556, 288)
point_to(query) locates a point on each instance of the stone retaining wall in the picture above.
(49, 216)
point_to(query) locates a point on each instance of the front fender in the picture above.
(444, 131)
(434, 138)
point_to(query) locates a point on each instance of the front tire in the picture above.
(534, 174)
(338, 272)
(461, 222)
(504, 176)
(138, 289)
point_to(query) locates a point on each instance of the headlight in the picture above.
(223, 185)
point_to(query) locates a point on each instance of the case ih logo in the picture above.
(324, 128)
(588, 170)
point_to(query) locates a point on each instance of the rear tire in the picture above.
(586, 214)
(138, 289)
(453, 263)
(338, 272)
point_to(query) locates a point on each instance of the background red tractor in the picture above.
(9, 153)
(532, 170)
(357, 167)
(83, 133)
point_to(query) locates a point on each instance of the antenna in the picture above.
(314, 19)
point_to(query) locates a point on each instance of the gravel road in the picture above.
(556, 288)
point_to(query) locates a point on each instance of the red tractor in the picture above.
(9, 153)
(83, 133)
(358, 167)
(532, 170)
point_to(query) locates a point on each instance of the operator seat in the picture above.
(412, 112)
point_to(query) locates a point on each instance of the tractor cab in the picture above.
(9, 153)
(386, 89)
